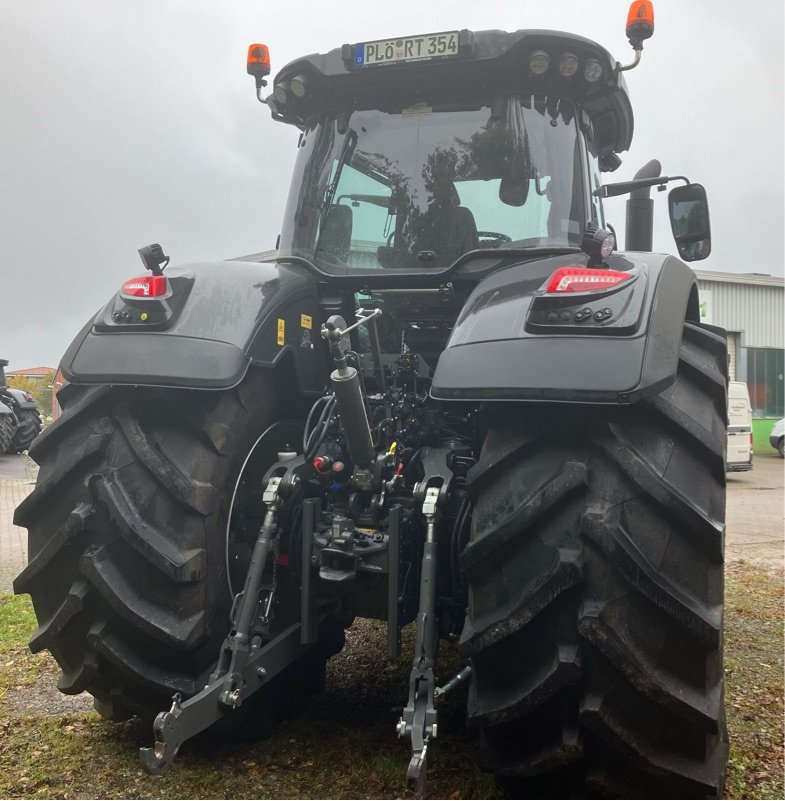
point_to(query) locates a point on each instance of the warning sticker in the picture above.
(306, 321)
(281, 330)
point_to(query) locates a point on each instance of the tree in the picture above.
(39, 388)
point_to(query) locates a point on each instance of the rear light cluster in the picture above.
(146, 286)
(582, 279)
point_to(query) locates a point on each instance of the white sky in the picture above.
(133, 121)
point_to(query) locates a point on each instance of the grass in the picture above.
(344, 746)
(761, 430)
(754, 676)
(20, 667)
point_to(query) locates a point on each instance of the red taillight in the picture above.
(582, 279)
(146, 286)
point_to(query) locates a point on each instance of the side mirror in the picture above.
(513, 190)
(689, 213)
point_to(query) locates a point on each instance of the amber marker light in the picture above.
(258, 62)
(640, 21)
(258, 65)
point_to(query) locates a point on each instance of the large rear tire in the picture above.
(128, 530)
(29, 428)
(595, 572)
(7, 430)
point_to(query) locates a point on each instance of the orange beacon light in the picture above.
(258, 63)
(640, 22)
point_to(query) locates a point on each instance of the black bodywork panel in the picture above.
(17, 397)
(236, 313)
(512, 343)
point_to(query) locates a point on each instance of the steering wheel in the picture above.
(495, 238)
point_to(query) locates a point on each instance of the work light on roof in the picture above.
(280, 94)
(539, 62)
(598, 243)
(568, 64)
(297, 86)
(592, 70)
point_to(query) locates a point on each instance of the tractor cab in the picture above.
(417, 151)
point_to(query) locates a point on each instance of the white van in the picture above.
(739, 428)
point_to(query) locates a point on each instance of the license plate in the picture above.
(429, 47)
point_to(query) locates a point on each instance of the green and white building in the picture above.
(751, 307)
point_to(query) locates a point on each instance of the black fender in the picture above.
(512, 342)
(17, 398)
(216, 320)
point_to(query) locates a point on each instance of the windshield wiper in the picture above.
(346, 153)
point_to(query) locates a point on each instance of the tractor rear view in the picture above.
(445, 400)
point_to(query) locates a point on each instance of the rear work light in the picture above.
(582, 279)
(146, 286)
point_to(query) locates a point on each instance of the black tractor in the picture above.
(20, 420)
(445, 400)
(8, 426)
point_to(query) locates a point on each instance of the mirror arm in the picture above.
(625, 187)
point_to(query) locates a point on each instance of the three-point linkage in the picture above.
(419, 720)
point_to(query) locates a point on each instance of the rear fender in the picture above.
(219, 319)
(512, 343)
(19, 399)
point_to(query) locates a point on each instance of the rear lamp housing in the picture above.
(584, 279)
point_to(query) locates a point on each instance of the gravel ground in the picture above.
(755, 512)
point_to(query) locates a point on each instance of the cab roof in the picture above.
(493, 58)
